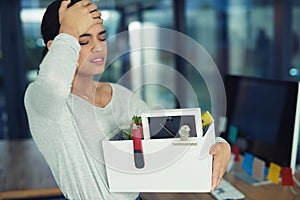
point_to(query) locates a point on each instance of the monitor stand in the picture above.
(249, 179)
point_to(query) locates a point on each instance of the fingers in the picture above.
(91, 7)
(62, 9)
(85, 2)
(93, 10)
(216, 183)
(217, 174)
(95, 14)
(216, 180)
(213, 150)
(64, 4)
(78, 18)
(221, 156)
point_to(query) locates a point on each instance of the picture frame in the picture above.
(165, 123)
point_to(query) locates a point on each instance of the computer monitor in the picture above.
(265, 114)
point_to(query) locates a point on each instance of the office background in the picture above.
(257, 38)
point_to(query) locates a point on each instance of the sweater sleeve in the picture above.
(220, 140)
(47, 94)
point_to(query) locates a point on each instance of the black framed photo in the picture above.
(159, 124)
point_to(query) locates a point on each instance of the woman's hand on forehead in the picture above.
(78, 18)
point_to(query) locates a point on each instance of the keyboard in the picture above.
(226, 191)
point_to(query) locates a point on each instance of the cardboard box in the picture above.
(171, 165)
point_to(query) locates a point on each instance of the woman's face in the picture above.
(92, 57)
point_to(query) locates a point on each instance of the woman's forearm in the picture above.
(54, 81)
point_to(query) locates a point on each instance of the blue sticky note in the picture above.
(247, 163)
(266, 171)
(232, 134)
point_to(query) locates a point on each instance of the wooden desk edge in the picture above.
(20, 194)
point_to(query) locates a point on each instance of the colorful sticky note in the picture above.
(258, 169)
(247, 163)
(232, 134)
(274, 173)
(286, 176)
(236, 152)
(266, 171)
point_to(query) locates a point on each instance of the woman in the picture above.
(69, 113)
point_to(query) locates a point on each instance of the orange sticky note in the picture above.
(274, 173)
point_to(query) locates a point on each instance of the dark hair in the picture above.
(50, 23)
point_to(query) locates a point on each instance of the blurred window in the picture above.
(295, 42)
(239, 35)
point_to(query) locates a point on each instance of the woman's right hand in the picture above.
(78, 18)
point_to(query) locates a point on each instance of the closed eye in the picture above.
(83, 43)
(84, 39)
(101, 36)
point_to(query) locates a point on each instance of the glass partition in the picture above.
(3, 114)
(239, 35)
(295, 42)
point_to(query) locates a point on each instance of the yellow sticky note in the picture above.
(274, 173)
(207, 119)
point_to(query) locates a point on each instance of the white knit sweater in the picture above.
(68, 130)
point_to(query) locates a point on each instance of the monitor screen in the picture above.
(261, 116)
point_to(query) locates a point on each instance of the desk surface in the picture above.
(23, 171)
(25, 174)
(262, 192)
